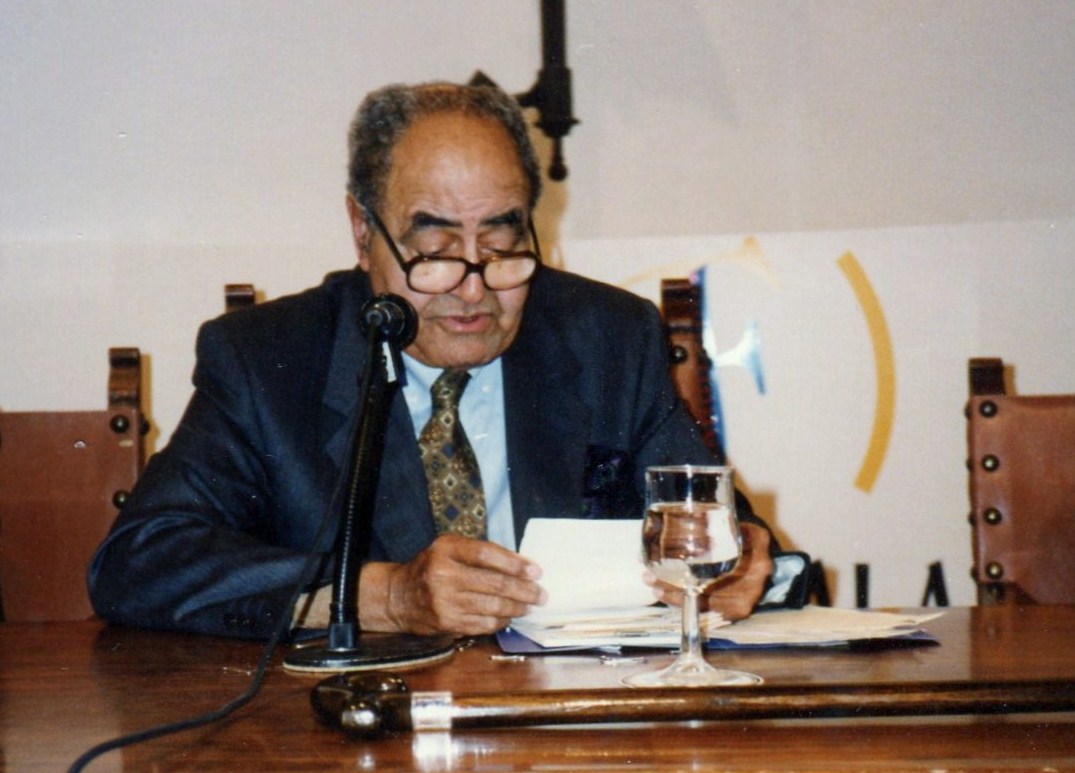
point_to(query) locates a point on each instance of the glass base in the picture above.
(686, 672)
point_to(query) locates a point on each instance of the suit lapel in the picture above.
(402, 522)
(547, 422)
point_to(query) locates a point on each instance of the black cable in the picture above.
(228, 708)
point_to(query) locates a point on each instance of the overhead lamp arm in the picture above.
(551, 93)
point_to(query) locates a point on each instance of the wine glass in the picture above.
(690, 538)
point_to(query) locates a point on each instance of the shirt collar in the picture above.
(422, 375)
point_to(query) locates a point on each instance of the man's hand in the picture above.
(456, 585)
(735, 595)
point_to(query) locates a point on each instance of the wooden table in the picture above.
(65, 687)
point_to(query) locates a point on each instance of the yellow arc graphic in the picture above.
(885, 366)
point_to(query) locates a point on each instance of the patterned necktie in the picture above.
(455, 484)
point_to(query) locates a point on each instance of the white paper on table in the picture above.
(586, 564)
(656, 627)
(814, 625)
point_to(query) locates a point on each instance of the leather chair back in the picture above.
(1022, 490)
(689, 365)
(63, 477)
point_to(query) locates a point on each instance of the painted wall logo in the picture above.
(884, 362)
(747, 352)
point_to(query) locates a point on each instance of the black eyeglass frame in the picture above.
(407, 266)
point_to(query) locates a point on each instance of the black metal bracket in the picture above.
(551, 93)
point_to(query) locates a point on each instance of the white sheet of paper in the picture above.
(822, 625)
(587, 564)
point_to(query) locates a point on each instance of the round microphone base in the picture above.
(374, 651)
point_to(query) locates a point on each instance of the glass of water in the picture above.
(690, 539)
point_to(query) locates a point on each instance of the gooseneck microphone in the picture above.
(390, 318)
(389, 324)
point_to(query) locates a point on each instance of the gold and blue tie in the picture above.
(455, 484)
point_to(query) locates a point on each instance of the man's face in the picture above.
(455, 188)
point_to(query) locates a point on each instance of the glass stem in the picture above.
(691, 643)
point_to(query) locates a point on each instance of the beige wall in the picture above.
(151, 151)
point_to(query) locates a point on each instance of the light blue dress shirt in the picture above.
(481, 410)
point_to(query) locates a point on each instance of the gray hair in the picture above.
(386, 113)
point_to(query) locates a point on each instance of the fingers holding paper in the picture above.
(457, 585)
(735, 595)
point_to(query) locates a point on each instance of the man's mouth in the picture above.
(466, 323)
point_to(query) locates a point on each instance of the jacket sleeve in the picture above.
(194, 548)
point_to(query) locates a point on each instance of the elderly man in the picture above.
(564, 401)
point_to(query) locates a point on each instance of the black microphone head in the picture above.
(390, 318)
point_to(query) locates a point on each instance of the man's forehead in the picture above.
(452, 160)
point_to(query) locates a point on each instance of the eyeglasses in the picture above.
(434, 274)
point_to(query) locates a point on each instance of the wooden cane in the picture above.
(373, 704)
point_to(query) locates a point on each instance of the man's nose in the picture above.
(473, 288)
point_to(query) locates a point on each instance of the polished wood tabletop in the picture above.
(65, 687)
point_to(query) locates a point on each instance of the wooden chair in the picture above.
(63, 477)
(238, 296)
(1022, 490)
(690, 366)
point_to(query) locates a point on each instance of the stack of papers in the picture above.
(592, 571)
(659, 627)
(654, 626)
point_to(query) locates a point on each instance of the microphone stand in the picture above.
(348, 648)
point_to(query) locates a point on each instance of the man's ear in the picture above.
(361, 233)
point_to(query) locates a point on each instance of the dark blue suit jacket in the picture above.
(215, 534)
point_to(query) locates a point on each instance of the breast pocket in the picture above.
(609, 486)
